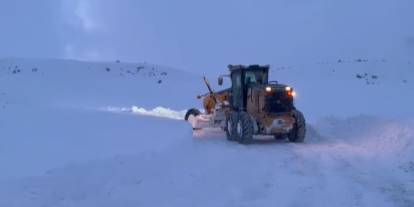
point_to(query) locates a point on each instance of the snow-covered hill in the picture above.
(350, 87)
(93, 84)
(50, 105)
(109, 134)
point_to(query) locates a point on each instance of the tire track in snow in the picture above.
(367, 167)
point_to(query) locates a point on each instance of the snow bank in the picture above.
(160, 112)
(370, 136)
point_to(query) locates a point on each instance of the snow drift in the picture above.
(158, 111)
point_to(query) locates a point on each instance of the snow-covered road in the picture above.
(366, 164)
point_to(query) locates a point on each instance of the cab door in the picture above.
(237, 91)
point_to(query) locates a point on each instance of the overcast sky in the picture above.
(207, 35)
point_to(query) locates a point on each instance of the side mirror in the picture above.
(220, 80)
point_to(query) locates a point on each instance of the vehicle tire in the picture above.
(231, 121)
(244, 128)
(194, 112)
(297, 134)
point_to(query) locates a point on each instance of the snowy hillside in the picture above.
(110, 134)
(50, 105)
(93, 84)
(349, 87)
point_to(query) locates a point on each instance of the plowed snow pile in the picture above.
(158, 111)
(93, 134)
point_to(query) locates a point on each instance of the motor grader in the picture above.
(253, 105)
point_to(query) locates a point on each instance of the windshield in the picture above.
(252, 77)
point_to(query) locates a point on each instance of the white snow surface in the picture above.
(87, 134)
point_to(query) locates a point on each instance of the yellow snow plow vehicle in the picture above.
(253, 105)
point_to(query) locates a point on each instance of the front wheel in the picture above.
(244, 128)
(297, 134)
(190, 117)
(191, 112)
(231, 131)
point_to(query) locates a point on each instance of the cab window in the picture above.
(250, 78)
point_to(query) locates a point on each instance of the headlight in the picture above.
(288, 88)
(292, 93)
(268, 89)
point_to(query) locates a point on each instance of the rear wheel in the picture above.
(193, 112)
(231, 131)
(297, 134)
(244, 128)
